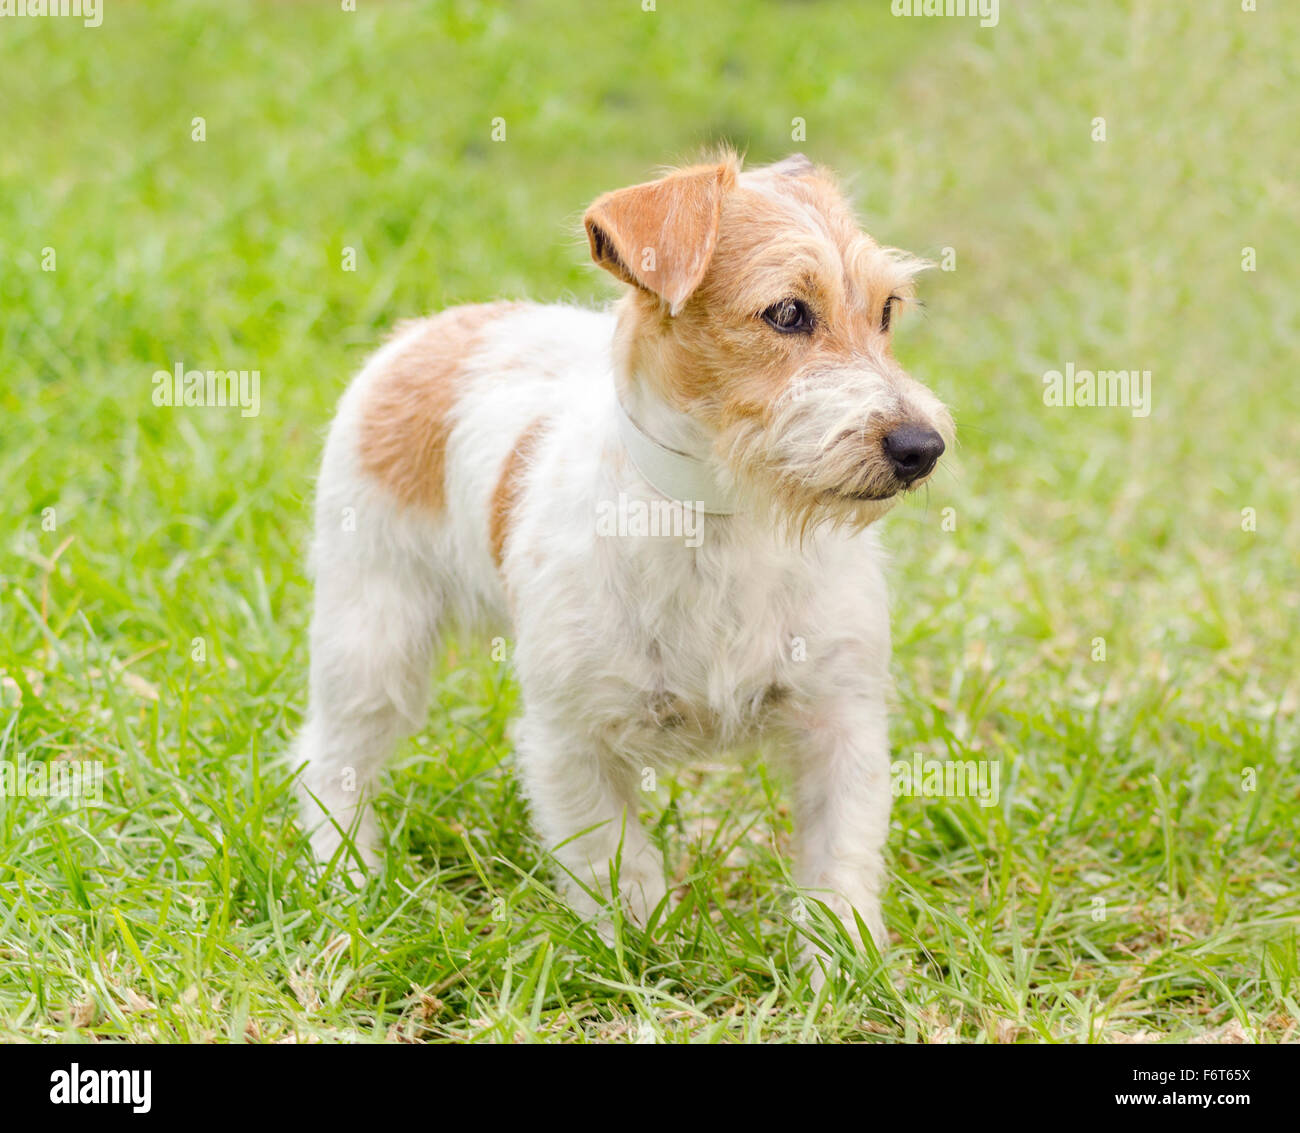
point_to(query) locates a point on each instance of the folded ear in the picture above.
(661, 235)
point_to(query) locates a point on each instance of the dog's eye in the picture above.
(888, 313)
(789, 316)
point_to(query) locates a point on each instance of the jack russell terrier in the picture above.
(746, 378)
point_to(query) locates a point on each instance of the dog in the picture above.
(745, 385)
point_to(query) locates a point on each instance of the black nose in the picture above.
(913, 450)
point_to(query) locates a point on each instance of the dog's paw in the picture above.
(821, 963)
(641, 888)
(355, 858)
(641, 893)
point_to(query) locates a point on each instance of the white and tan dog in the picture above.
(473, 471)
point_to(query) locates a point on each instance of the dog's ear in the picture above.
(661, 235)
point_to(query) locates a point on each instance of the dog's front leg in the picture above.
(584, 803)
(842, 811)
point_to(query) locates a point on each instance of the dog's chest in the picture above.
(665, 649)
(709, 651)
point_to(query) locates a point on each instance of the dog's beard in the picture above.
(792, 503)
(817, 460)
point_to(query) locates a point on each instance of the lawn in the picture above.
(1103, 604)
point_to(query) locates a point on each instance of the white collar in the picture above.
(673, 473)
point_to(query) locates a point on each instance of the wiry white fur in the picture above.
(630, 652)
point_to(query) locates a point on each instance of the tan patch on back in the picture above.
(506, 496)
(406, 419)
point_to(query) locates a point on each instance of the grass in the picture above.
(1128, 886)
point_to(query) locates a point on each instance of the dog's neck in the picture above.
(669, 449)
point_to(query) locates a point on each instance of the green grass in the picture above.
(185, 906)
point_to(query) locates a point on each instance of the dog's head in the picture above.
(760, 309)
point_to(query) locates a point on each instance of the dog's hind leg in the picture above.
(373, 636)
